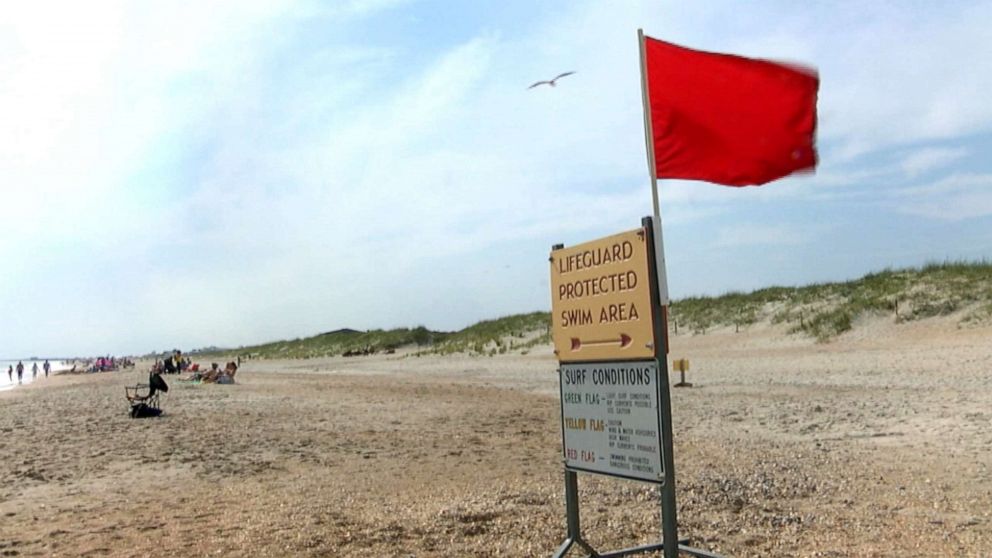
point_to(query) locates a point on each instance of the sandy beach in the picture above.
(876, 444)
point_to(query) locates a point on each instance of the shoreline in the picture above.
(7, 384)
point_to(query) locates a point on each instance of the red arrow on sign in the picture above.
(623, 341)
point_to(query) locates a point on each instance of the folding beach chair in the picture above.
(143, 398)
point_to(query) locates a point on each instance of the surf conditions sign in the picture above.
(611, 419)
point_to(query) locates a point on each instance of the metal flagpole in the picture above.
(649, 144)
(669, 519)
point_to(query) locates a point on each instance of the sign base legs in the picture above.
(567, 545)
(572, 517)
(575, 532)
(590, 553)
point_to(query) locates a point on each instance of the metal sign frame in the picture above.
(670, 545)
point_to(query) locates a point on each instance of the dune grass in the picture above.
(821, 311)
(491, 337)
(826, 310)
(515, 333)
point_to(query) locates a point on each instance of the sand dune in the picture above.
(877, 444)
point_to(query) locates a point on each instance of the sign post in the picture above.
(682, 365)
(610, 333)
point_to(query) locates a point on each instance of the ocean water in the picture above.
(6, 383)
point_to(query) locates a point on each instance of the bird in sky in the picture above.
(550, 82)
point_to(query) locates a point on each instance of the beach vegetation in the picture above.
(821, 311)
(825, 310)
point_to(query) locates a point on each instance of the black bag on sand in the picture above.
(142, 410)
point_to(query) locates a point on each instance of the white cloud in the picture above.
(954, 198)
(760, 234)
(905, 73)
(924, 160)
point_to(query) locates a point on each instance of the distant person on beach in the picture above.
(34, 370)
(225, 376)
(198, 376)
(20, 371)
(47, 367)
(228, 376)
(171, 364)
(10, 373)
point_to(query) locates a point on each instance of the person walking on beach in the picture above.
(10, 373)
(20, 371)
(34, 371)
(47, 367)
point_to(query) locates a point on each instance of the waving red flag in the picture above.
(727, 119)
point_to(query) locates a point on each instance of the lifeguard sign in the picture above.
(601, 300)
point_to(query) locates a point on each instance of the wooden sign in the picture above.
(601, 300)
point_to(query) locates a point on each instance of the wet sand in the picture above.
(877, 444)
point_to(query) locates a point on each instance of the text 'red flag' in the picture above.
(728, 119)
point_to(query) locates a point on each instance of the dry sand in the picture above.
(877, 444)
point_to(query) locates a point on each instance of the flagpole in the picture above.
(669, 519)
(649, 144)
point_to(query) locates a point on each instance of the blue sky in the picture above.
(184, 174)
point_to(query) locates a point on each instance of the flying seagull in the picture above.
(550, 82)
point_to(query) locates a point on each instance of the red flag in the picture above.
(727, 119)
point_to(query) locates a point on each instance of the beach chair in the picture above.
(143, 398)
